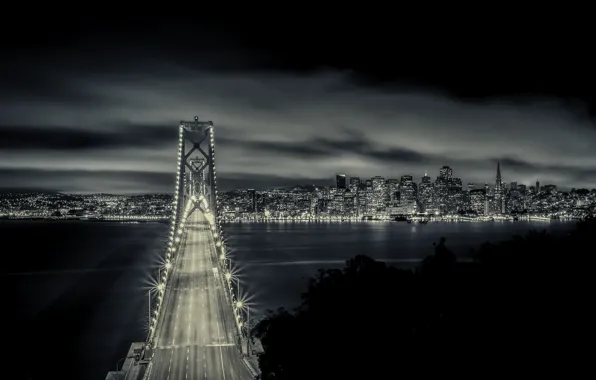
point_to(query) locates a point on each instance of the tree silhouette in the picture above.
(515, 308)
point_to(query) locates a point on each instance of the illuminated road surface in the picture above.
(195, 336)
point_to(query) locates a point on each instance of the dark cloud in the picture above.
(516, 164)
(400, 155)
(24, 138)
(261, 182)
(92, 104)
(26, 84)
(82, 181)
(295, 149)
(549, 172)
(348, 141)
(132, 182)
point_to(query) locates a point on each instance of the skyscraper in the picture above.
(392, 186)
(340, 180)
(406, 189)
(378, 188)
(425, 193)
(446, 173)
(478, 200)
(354, 188)
(441, 188)
(499, 192)
(354, 184)
(252, 197)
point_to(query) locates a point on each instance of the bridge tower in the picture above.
(197, 176)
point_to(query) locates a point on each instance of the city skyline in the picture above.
(100, 113)
(332, 181)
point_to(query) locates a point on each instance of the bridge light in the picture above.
(228, 276)
(179, 231)
(239, 304)
(177, 240)
(218, 244)
(168, 265)
(193, 198)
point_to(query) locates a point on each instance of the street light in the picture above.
(244, 306)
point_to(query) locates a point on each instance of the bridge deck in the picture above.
(195, 337)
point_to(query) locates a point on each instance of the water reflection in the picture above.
(280, 257)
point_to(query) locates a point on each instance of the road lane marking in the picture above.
(220, 345)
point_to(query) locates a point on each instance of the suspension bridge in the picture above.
(198, 320)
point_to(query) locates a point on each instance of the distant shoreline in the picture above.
(446, 220)
(90, 220)
(277, 220)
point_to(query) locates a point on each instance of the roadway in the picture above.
(195, 336)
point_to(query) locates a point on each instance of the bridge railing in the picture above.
(177, 228)
(175, 242)
(239, 305)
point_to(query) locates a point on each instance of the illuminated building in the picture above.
(499, 197)
(478, 201)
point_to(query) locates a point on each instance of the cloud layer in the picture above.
(116, 131)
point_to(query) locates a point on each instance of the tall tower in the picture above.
(197, 177)
(340, 181)
(499, 194)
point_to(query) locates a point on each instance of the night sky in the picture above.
(93, 106)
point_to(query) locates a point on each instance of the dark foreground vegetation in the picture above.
(520, 309)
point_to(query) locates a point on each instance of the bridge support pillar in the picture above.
(197, 174)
